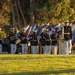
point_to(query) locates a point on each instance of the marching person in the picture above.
(67, 38)
(34, 42)
(12, 39)
(53, 40)
(23, 38)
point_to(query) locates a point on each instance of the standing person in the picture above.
(43, 41)
(23, 38)
(73, 27)
(1, 40)
(53, 39)
(48, 47)
(12, 39)
(34, 42)
(67, 38)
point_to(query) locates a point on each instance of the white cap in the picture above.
(66, 21)
(23, 29)
(47, 29)
(33, 30)
(12, 28)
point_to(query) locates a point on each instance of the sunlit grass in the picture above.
(37, 64)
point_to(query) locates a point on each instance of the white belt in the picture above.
(66, 33)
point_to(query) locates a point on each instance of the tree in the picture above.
(21, 13)
(13, 13)
(31, 13)
(4, 12)
(25, 12)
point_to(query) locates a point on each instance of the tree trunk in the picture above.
(18, 16)
(13, 14)
(31, 13)
(21, 13)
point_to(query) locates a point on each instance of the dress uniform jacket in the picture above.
(23, 38)
(12, 38)
(54, 39)
(67, 33)
(43, 39)
(33, 40)
(0, 41)
(47, 39)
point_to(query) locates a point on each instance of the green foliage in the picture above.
(4, 12)
(2, 34)
(54, 11)
(45, 11)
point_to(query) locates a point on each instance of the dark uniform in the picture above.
(0, 40)
(54, 42)
(34, 43)
(23, 38)
(1, 44)
(54, 39)
(48, 47)
(45, 41)
(67, 33)
(12, 39)
(67, 39)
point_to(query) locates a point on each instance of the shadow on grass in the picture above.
(30, 57)
(68, 71)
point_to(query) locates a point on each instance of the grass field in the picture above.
(37, 64)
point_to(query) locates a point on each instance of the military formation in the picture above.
(48, 39)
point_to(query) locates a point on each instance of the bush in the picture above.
(2, 34)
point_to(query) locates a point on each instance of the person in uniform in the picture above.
(73, 28)
(34, 42)
(53, 40)
(1, 40)
(67, 38)
(12, 39)
(43, 41)
(48, 46)
(23, 38)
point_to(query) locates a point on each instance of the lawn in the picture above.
(37, 64)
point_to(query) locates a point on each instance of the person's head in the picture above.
(47, 30)
(66, 23)
(74, 23)
(34, 32)
(50, 29)
(23, 30)
(13, 30)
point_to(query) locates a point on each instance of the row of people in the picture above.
(45, 41)
(49, 41)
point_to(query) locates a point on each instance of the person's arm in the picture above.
(71, 35)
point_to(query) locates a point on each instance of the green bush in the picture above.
(2, 34)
